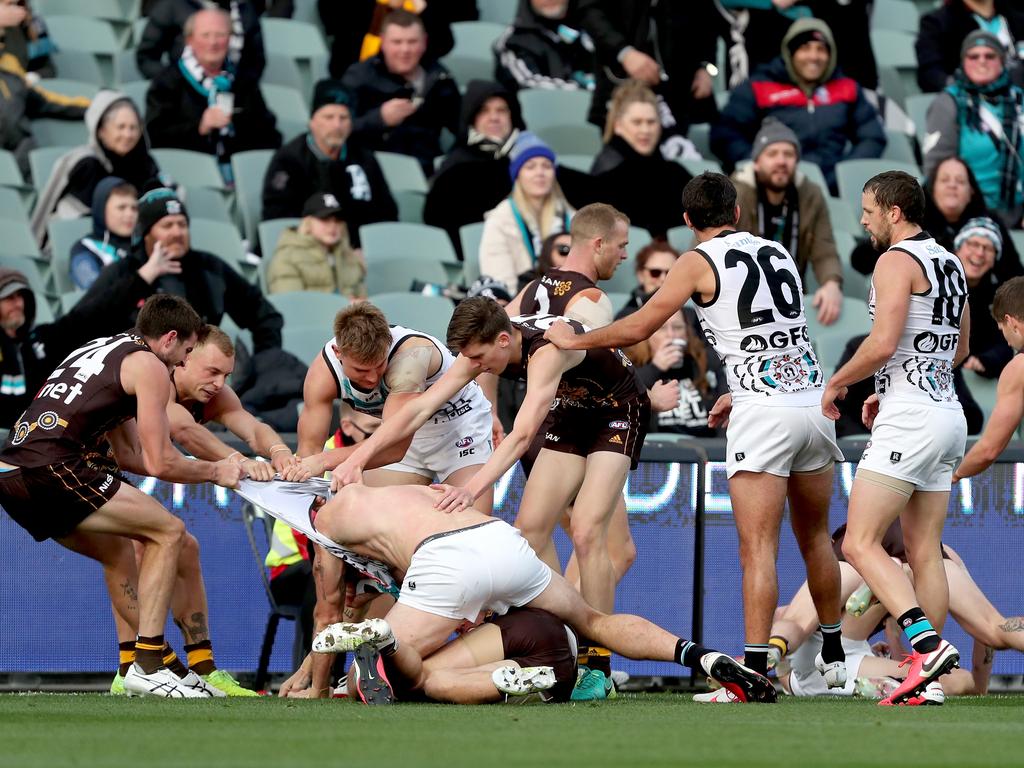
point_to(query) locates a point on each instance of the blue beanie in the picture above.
(527, 147)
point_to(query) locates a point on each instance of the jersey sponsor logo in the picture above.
(552, 438)
(618, 424)
(740, 456)
(776, 340)
(929, 342)
(754, 343)
(464, 442)
(615, 439)
(895, 457)
(106, 483)
(467, 452)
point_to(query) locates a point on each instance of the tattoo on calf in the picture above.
(132, 594)
(194, 629)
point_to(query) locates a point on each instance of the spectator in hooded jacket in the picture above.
(802, 89)
(978, 246)
(490, 125)
(117, 147)
(403, 100)
(327, 159)
(545, 48)
(630, 172)
(942, 31)
(164, 36)
(115, 212)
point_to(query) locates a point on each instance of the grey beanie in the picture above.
(979, 37)
(773, 131)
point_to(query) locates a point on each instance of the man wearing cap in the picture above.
(402, 101)
(317, 255)
(326, 160)
(979, 119)
(212, 287)
(804, 90)
(779, 203)
(978, 245)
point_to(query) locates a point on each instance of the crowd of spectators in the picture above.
(797, 86)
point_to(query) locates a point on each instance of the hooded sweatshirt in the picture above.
(13, 387)
(538, 52)
(101, 246)
(69, 190)
(825, 115)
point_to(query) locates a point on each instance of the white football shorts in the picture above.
(439, 450)
(779, 439)
(807, 681)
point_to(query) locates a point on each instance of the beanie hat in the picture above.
(327, 92)
(773, 131)
(982, 226)
(156, 204)
(979, 37)
(527, 147)
(808, 36)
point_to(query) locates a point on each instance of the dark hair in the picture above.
(657, 246)
(1009, 300)
(710, 201)
(547, 250)
(898, 189)
(402, 18)
(975, 206)
(165, 312)
(479, 319)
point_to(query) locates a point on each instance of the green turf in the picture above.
(642, 730)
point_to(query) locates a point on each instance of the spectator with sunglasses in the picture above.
(653, 262)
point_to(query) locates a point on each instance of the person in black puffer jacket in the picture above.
(545, 48)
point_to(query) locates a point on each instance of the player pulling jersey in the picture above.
(755, 321)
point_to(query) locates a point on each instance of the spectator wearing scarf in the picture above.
(980, 118)
(194, 102)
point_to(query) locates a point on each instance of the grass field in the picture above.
(635, 730)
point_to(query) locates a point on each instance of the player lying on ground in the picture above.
(460, 563)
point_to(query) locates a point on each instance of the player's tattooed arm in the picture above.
(410, 367)
(1013, 624)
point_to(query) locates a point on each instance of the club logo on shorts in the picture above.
(618, 425)
(740, 456)
(464, 442)
(615, 439)
(895, 457)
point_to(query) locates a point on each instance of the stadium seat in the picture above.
(917, 109)
(309, 308)
(471, 57)
(814, 174)
(897, 63)
(284, 71)
(618, 300)
(830, 340)
(851, 175)
(572, 139)
(289, 107)
(41, 161)
(700, 135)
(305, 341)
(429, 314)
(138, 28)
(82, 64)
(395, 275)
(680, 238)
(306, 11)
(410, 205)
(68, 299)
(300, 41)
(194, 169)
(254, 518)
(136, 90)
(66, 87)
(900, 148)
(581, 163)
(207, 203)
(29, 267)
(983, 390)
(94, 36)
(498, 11)
(49, 132)
(842, 217)
(63, 234)
(402, 172)
(10, 173)
(1017, 236)
(543, 107)
(901, 15)
(269, 232)
(126, 70)
(399, 240)
(249, 168)
(12, 206)
(469, 239)
(219, 238)
(16, 238)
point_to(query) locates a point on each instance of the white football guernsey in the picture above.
(921, 370)
(755, 321)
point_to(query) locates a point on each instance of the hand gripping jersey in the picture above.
(604, 379)
(921, 370)
(80, 402)
(755, 321)
(469, 398)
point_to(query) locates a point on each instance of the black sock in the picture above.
(919, 631)
(149, 653)
(832, 642)
(755, 657)
(689, 655)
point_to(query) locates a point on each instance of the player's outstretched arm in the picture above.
(413, 415)
(543, 374)
(261, 438)
(963, 346)
(894, 280)
(1001, 424)
(146, 377)
(682, 282)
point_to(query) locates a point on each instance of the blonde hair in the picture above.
(542, 221)
(211, 334)
(629, 93)
(362, 331)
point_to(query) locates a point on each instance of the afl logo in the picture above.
(464, 442)
(618, 425)
(754, 343)
(926, 342)
(48, 420)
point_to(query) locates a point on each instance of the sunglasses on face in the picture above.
(981, 57)
(562, 250)
(656, 273)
